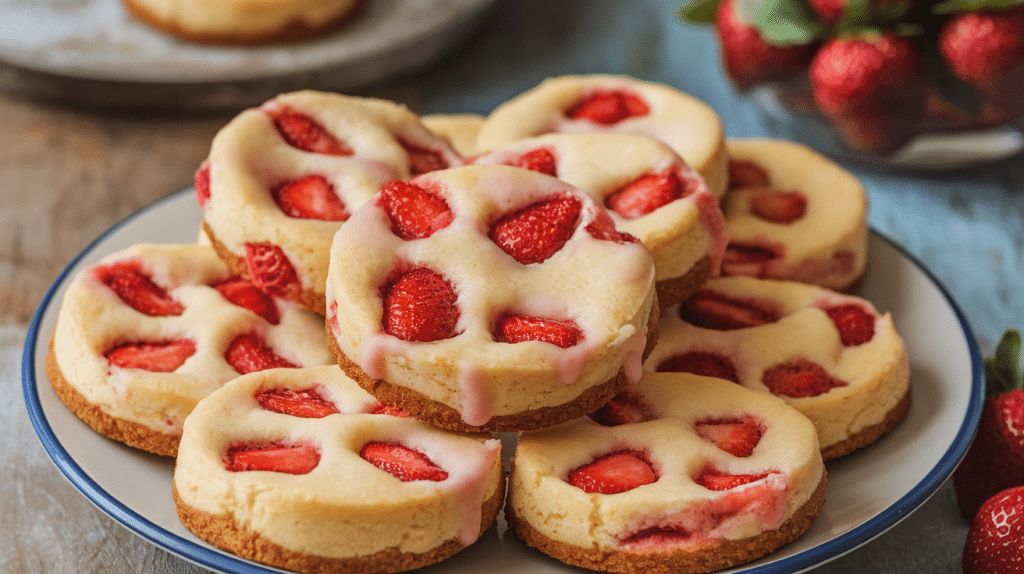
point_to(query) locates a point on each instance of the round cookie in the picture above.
(282, 178)
(145, 333)
(459, 130)
(237, 22)
(597, 103)
(514, 305)
(680, 474)
(300, 469)
(793, 214)
(649, 191)
(833, 357)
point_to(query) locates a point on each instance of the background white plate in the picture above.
(868, 491)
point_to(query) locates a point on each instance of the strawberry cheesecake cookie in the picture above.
(680, 474)
(833, 357)
(459, 130)
(282, 178)
(793, 214)
(489, 298)
(241, 22)
(147, 332)
(301, 469)
(649, 191)
(600, 103)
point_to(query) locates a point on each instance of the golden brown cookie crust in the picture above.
(678, 289)
(716, 556)
(422, 408)
(870, 433)
(224, 532)
(122, 430)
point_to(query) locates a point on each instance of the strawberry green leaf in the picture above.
(781, 22)
(700, 11)
(1003, 369)
(957, 6)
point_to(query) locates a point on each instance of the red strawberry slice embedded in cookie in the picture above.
(856, 324)
(645, 194)
(270, 270)
(244, 294)
(539, 230)
(700, 363)
(627, 407)
(311, 197)
(305, 133)
(541, 160)
(248, 353)
(799, 378)
(603, 228)
(274, 457)
(743, 173)
(608, 107)
(783, 207)
(415, 212)
(613, 473)
(202, 183)
(420, 305)
(402, 462)
(749, 259)
(137, 289)
(423, 159)
(518, 328)
(713, 310)
(738, 437)
(302, 403)
(717, 480)
(154, 356)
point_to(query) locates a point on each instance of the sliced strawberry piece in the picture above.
(244, 294)
(645, 194)
(713, 310)
(799, 378)
(311, 197)
(270, 270)
(627, 407)
(519, 328)
(415, 213)
(538, 230)
(778, 206)
(154, 356)
(304, 133)
(613, 473)
(419, 305)
(608, 107)
(247, 353)
(855, 323)
(701, 363)
(137, 290)
(402, 462)
(540, 160)
(389, 410)
(748, 259)
(738, 437)
(423, 159)
(274, 457)
(603, 228)
(716, 480)
(202, 183)
(743, 173)
(302, 403)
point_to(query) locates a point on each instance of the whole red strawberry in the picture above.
(995, 460)
(985, 49)
(872, 87)
(830, 11)
(749, 58)
(995, 541)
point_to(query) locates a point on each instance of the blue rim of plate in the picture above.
(220, 561)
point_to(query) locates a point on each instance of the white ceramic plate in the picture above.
(868, 492)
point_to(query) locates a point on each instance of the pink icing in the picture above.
(476, 400)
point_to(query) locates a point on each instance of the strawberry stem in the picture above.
(1003, 369)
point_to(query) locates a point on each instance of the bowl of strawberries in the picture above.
(912, 83)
